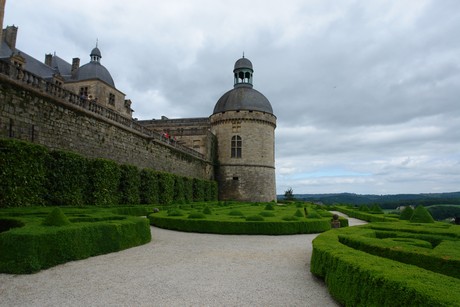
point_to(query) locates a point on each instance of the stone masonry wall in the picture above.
(250, 177)
(34, 115)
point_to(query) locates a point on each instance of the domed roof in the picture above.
(96, 52)
(243, 98)
(243, 63)
(94, 70)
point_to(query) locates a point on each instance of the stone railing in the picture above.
(30, 80)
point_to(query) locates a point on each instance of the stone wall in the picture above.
(34, 110)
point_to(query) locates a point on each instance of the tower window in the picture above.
(112, 99)
(84, 92)
(236, 146)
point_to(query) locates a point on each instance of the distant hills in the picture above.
(384, 201)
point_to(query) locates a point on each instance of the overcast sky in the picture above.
(366, 93)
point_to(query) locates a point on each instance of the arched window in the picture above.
(236, 146)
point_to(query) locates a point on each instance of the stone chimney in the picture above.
(10, 34)
(2, 12)
(48, 59)
(75, 65)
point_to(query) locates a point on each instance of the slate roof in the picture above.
(243, 97)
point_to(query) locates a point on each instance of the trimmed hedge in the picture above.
(32, 175)
(67, 179)
(240, 227)
(149, 189)
(32, 248)
(104, 178)
(357, 278)
(22, 173)
(364, 215)
(130, 182)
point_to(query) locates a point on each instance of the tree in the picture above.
(289, 194)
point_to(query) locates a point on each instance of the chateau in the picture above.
(77, 107)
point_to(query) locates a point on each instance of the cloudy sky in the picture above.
(367, 93)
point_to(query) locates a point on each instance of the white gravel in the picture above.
(180, 269)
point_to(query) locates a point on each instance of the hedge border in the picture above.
(34, 247)
(356, 278)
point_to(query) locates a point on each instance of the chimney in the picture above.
(75, 65)
(48, 59)
(10, 34)
(2, 12)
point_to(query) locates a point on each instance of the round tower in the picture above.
(244, 124)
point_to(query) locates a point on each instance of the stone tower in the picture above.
(244, 124)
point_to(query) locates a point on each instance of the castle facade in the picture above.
(234, 145)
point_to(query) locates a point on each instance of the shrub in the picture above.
(196, 215)
(33, 248)
(254, 218)
(313, 215)
(207, 210)
(22, 173)
(236, 213)
(298, 213)
(175, 212)
(188, 190)
(376, 209)
(149, 187)
(269, 207)
(198, 190)
(130, 182)
(66, 179)
(104, 176)
(56, 218)
(407, 213)
(356, 278)
(421, 215)
(179, 187)
(166, 188)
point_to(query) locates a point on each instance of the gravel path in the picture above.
(180, 269)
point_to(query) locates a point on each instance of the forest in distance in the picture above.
(384, 201)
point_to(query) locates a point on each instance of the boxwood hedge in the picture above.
(30, 247)
(32, 175)
(361, 271)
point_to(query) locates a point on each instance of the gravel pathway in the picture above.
(180, 269)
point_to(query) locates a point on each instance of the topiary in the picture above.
(236, 213)
(376, 209)
(298, 213)
(175, 212)
(364, 208)
(421, 215)
(269, 207)
(254, 218)
(407, 213)
(314, 215)
(56, 218)
(207, 210)
(196, 215)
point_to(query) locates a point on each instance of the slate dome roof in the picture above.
(243, 98)
(96, 52)
(94, 70)
(243, 63)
